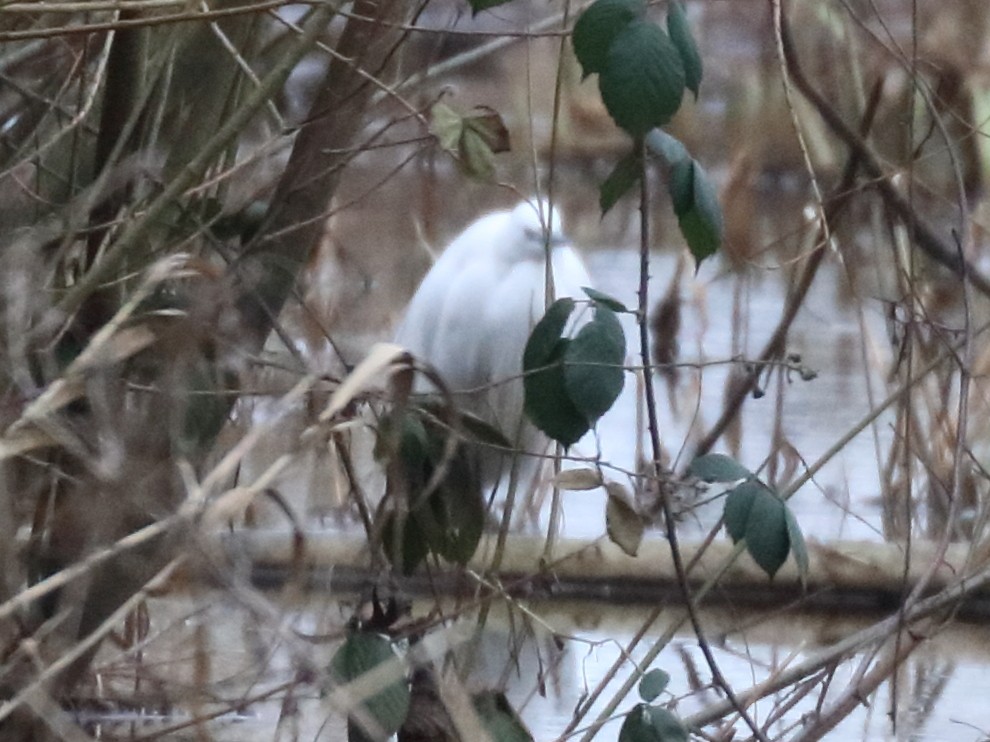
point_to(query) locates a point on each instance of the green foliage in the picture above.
(605, 300)
(680, 34)
(444, 518)
(717, 467)
(597, 28)
(362, 653)
(571, 383)
(642, 83)
(698, 212)
(646, 723)
(755, 513)
(643, 73)
(623, 177)
(653, 684)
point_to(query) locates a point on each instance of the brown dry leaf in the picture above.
(379, 358)
(622, 523)
(578, 479)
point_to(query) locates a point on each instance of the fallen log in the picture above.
(843, 576)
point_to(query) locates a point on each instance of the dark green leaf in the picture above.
(738, 505)
(458, 507)
(767, 539)
(666, 726)
(593, 365)
(642, 83)
(652, 724)
(622, 523)
(405, 550)
(798, 547)
(717, 467)
(361, 653)
(597, 28)
(548, 403)
(624, 176)
(499, 719)
(698, 212)
(680, 34)
(653, 684)
(666, 146)
(545, 336)
(604, 300)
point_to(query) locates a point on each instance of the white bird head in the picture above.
(527, 231)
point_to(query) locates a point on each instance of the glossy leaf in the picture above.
(642, 83)
(593, 365)
(653, 684)
(597, 28)
(680, 34)
(605, 300)
(362, 653)
(717, 467)
(622, 523)
(623, 177)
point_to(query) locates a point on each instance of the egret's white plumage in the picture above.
(474, 310)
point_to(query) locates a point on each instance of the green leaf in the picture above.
(738, 505)
(361, 653)
(622, 523)
(680, 34)
(546, 334)
(653, 684)
(624, 176)
(547, 402)
(597, 28)
(755, 513)
(717, 467)
(499, 719)
(642, 83)
(593, 365)
(767, 539)
(652, 724)
(666, 726)
(666, 146)
(698, 212)
(605, 300)
(798, 547)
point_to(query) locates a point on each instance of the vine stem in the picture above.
(653, 427)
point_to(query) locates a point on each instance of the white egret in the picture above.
(471, 316)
